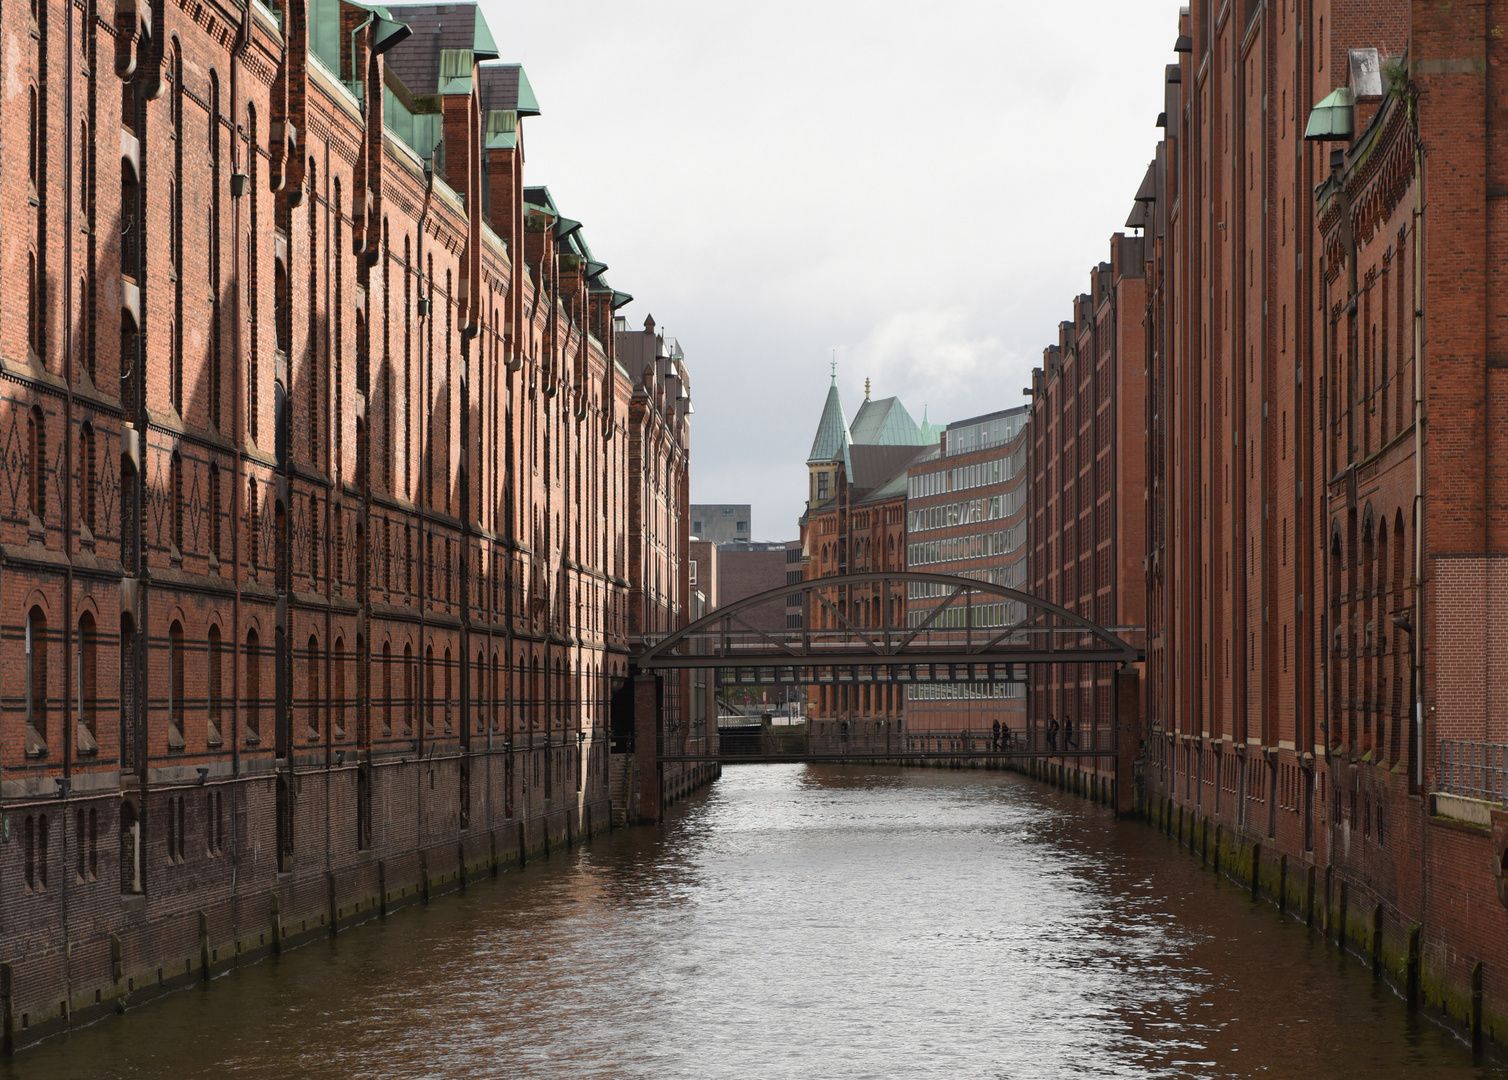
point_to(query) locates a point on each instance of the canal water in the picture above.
(800, 921)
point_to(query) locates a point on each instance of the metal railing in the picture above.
(835, 740)
(1474, 770)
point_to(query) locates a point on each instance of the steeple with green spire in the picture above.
(831, 443)
(929, 432)
(829, 448)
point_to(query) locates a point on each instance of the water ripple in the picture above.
(805, 922)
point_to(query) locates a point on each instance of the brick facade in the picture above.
(1324, 563)
(1086, 468)
(328, 494)
(855, 522)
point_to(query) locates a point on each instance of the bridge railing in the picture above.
(870, 738)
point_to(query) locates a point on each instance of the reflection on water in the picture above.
(805, 922)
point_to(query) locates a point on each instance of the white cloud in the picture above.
(924, 189)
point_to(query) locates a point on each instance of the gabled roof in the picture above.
(885, 423)
(438, 28)
(890, 489)
(831, 443)
(505, 97)
(540, 196)
(506, 86)
(874, 465)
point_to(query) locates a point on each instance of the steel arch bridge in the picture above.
(852, 632)
(977, 632)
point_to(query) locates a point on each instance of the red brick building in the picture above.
(966, 515)
(659, 566)
(331, 499)
(1085, 493)
(856, 523)
(1324, 563)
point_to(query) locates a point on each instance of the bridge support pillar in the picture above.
(647, 749)
(1127, 736)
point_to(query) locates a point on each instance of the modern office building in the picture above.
(966, 515)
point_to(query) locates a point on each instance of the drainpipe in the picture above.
(355, 75)
(427, 299)
(1417, 642)
(243, 37)
(70, 644)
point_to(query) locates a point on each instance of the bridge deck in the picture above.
(736, 758)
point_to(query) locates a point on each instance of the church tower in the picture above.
(829, 449)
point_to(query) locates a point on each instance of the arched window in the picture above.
(253, 528)
(130, 233)
(338, 689)
(253, 687)
(313, 685)
(215, 660)
(33, 138)
(387, 688)
(176, 686)
(86, 475)
(448, 714)
(282, 323)
(128, 343)
(362, 697)
(214, 510)
(36, 463)
(497, 690)
(87, 329)
(33, 306)
(483, 708)
(281, 569)
(408, 689)
(86, 738)
(36, 683)
(175, 372)
(175, 498)
(314, 540)
(429, 688)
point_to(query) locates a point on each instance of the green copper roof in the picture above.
(885, 423)
(931, 433)
(1331, 118)
(831, 443)
(528, 104)
(484, 47)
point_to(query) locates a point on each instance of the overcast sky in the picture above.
(923, 188)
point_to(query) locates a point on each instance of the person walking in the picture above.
(1052, 733)
(995, 742)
